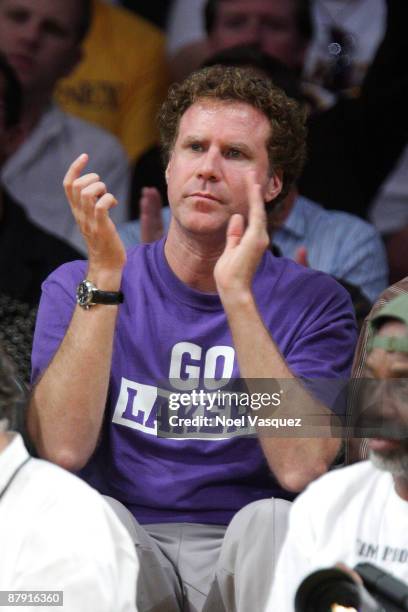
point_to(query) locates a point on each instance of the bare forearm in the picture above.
(294, 461)
(67, 406)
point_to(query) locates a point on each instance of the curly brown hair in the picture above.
(286, 145)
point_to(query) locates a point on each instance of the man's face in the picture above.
(39, 39)
(217, 144)
(269, 24)
(390, 403)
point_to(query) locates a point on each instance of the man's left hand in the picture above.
(244, 247)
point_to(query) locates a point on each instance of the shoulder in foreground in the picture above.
(54, 487)
(343, 478)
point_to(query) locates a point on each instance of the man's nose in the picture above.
(208, 167)
(30, 34)
(251, 35)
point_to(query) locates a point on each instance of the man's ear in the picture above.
(273, 187)
(167, 171)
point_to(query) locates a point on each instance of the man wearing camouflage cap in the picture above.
(360, 513)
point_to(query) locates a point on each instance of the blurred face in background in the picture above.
(40, 40)
(389, 451)
(269, 24)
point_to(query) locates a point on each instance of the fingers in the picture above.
(235, 231)
(256, 204)
(74, 171)
(301, 256)
(86, 200)
(103, 205)
(97, 219)
(79, 185)
(256, 233)
(347, 570)
(92, 192)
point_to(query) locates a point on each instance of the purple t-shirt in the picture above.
(169, 336)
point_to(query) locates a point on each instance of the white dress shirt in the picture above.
(58, 534)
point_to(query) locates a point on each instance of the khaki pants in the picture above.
(192, 567)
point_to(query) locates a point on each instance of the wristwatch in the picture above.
(88, 295)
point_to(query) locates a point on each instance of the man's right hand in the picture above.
(90, 204)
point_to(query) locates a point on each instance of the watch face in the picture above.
(84, 293)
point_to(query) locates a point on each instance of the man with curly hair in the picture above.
(125, 374)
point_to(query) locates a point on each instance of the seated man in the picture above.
(192, 312)
(56, 533)
(42, 42)
(364, 516)
(356, 448)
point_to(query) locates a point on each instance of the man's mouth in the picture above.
(382, 445)
(204, 196)
(21, 62)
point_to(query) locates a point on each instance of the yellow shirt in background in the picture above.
(121, 79)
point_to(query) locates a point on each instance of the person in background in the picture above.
(351, 154)
(56, 533)
(28, 254)
(364, 516)
(357, 448)
(121, 79)
(345, 39)
(344, 35)
(42, 41)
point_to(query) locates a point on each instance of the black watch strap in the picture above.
(107, 297)
(88, 295)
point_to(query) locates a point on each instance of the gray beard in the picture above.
(396, 463)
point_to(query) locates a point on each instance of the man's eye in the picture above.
(274, 25)
(196, 146)
(18, 16)
(54, 29)
(235, 22)
(233, 154)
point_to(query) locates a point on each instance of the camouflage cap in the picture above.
(395, 309)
